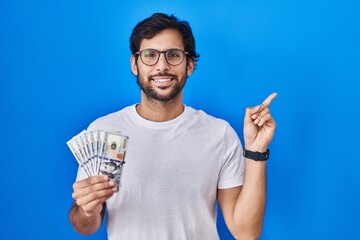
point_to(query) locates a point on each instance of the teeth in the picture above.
(162, 80)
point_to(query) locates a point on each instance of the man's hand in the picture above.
(90, 194)
(259, 126)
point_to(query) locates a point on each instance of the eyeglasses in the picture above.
(173, 56)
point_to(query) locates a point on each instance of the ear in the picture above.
(133, 65)
(190, 66)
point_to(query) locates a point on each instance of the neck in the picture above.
(158, 111)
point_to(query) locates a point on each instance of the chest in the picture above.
(167, 163)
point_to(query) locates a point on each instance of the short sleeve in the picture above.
(232, 171)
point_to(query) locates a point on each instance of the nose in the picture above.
(162, 65)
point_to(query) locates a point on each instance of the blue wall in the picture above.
(65, 63)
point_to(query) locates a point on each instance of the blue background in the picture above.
(65, 63)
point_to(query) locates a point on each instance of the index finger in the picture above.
(269, 99)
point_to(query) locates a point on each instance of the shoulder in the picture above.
(211, 123)
(206, 118)
(106, 122)
(214, 128)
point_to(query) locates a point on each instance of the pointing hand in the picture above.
(259, 126)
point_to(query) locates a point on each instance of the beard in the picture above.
(152, 94)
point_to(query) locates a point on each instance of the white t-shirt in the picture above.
(172, 172)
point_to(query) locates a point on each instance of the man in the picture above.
(179, 161)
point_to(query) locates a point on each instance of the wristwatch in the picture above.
(257, 156)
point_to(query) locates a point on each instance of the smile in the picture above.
(163, 81)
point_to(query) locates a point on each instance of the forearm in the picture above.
(250, 205)
(83, 224)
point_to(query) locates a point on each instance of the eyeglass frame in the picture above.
(162, 52)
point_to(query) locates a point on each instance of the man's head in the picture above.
(163, 56)
(158, 22)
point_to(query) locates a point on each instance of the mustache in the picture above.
(162, 75)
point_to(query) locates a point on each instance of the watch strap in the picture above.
(257, 156)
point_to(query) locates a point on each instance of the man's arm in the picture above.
(243, 207)
(83, 224)
(87, 212)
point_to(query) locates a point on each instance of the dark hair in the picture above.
(158, 22)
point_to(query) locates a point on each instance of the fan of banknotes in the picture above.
(100, 152)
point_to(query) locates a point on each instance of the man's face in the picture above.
(162, 81)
